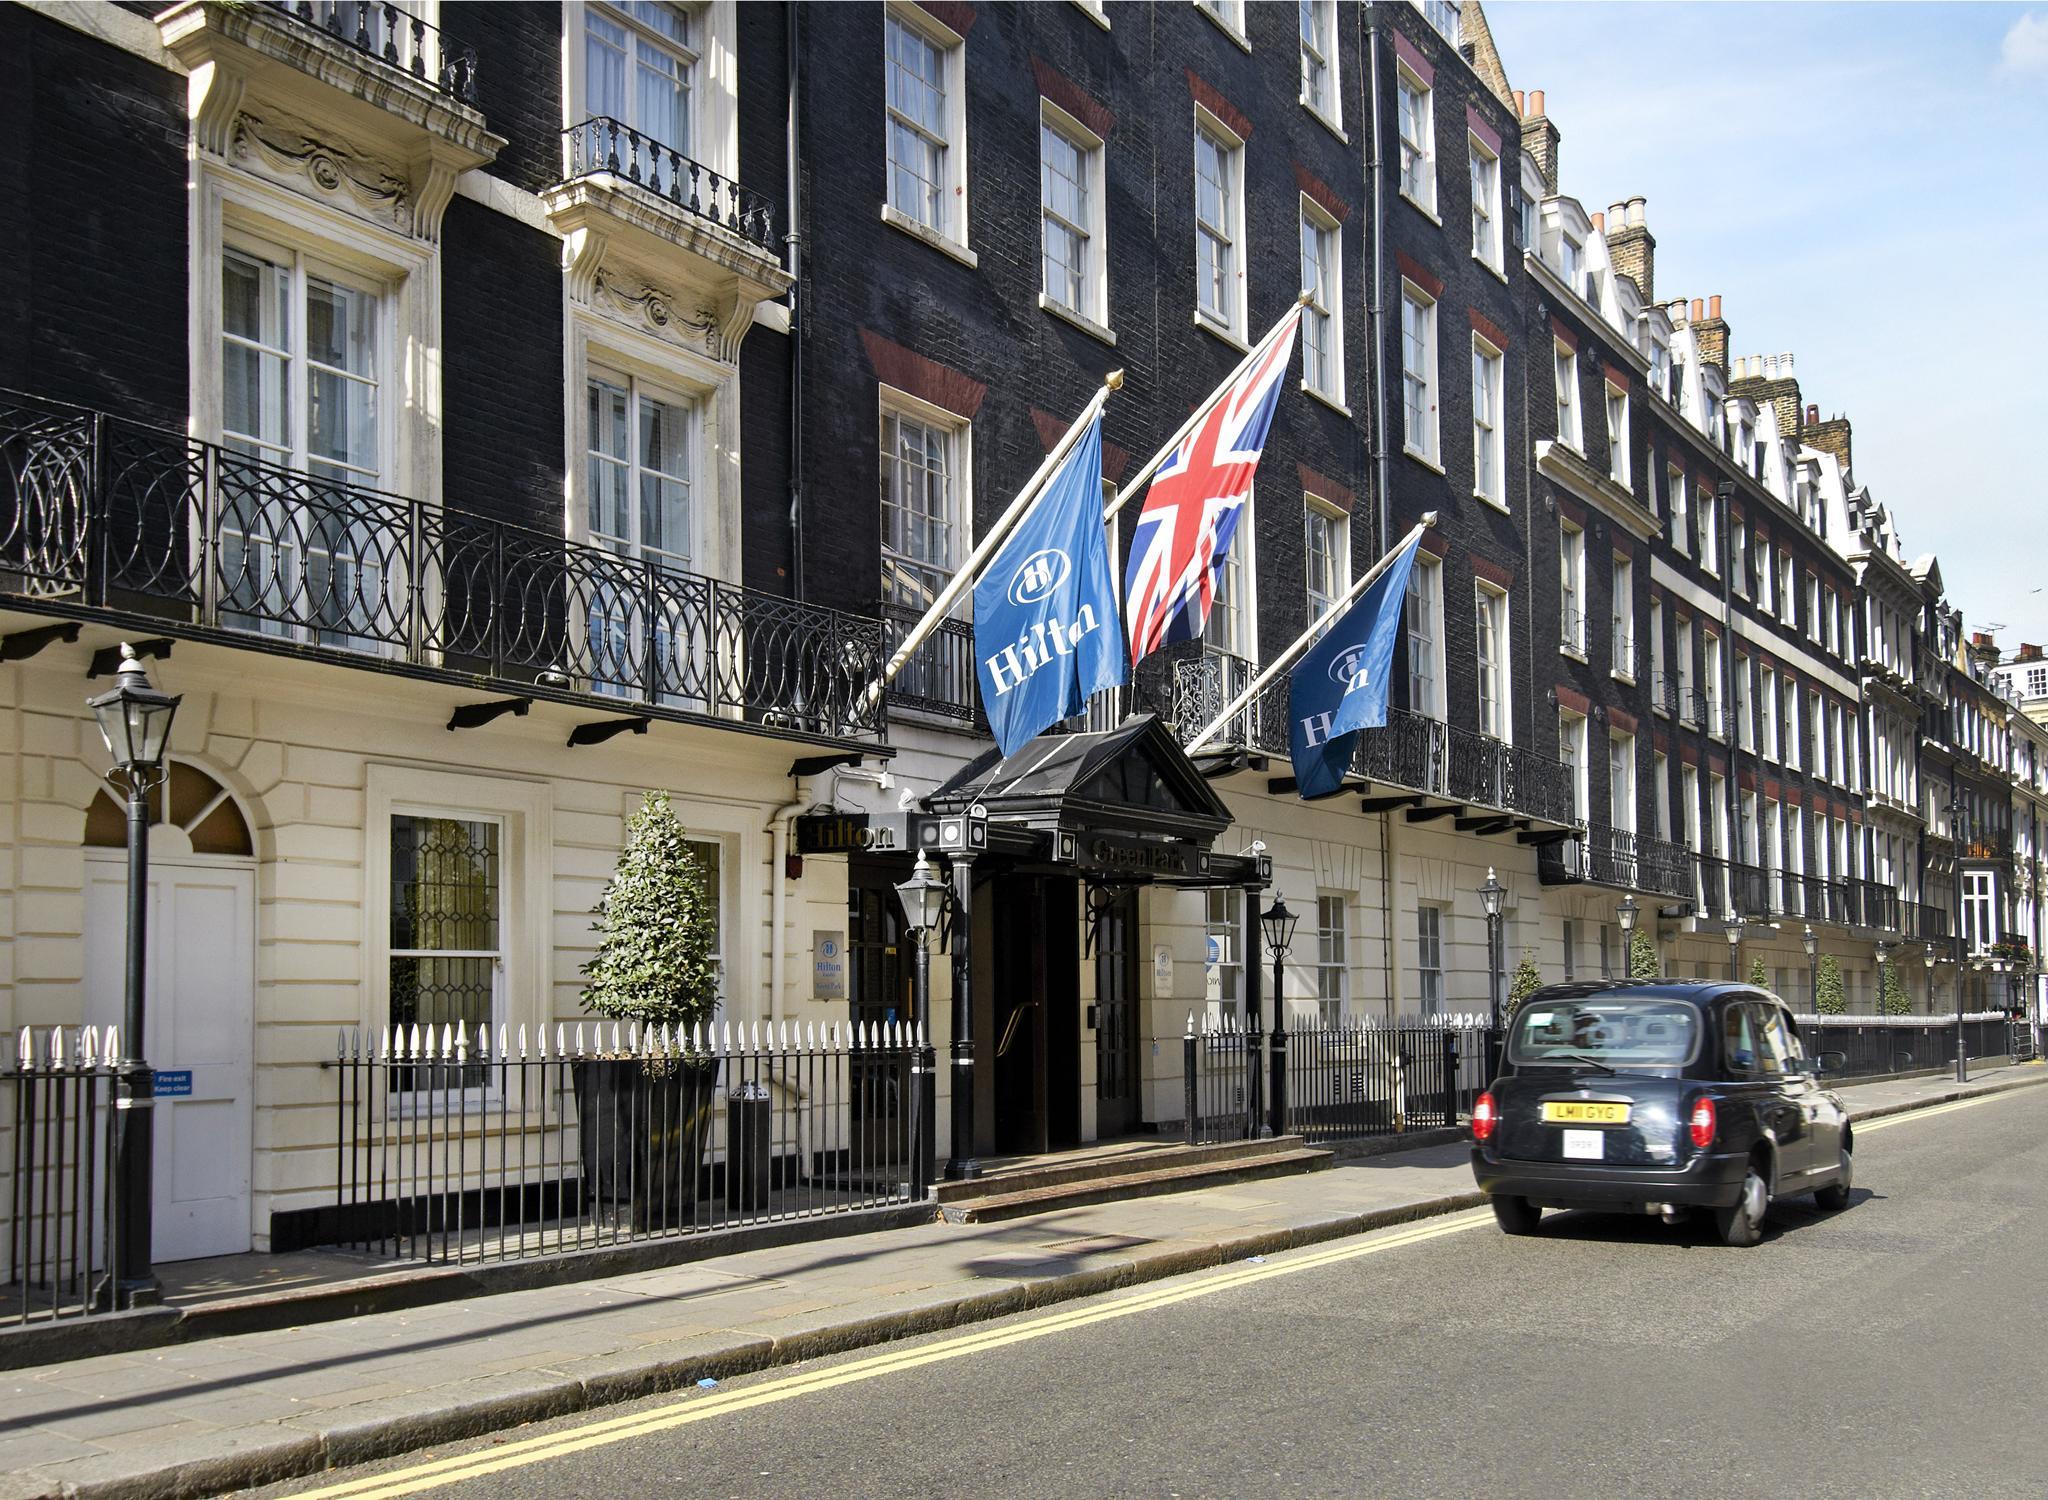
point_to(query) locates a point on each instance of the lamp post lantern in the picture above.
(1735, 948)
(1884, 953)
(1930, 960)
(1278, 923)
(135, 721)
(1491, 895)
(1811, 944)
(1627, 914)
(923, 897)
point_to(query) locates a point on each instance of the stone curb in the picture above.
(297, 1454)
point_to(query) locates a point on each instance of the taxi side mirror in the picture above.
(1831, 1062)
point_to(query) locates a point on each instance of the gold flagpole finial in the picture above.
(1114, 380)
(1307, 296)
(1429, 518)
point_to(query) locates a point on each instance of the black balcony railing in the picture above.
(393, 35)
(939, 678)
(1664, 694)
(102, 514)
(1620, 858)
(602, 144)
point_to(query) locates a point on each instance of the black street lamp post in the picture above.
(1628, 914)
(1735, 949)
(1491, 895)
(1279, 923)
(1811, 944)
(923, 897)
(1930, 960)
(135, 721)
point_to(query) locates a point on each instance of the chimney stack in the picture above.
(1768, 381)
(2028, 653)
(1539, 140)
(1710, 333)
(1831, 436)
(1630, 247)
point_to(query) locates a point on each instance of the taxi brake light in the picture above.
(1701, 1125)
(1484, 1118)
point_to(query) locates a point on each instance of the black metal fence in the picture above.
(99, 513)
(1345, 1082)
(1876, 1046)
(452, 1147)
(394, 35)
(57, 1101)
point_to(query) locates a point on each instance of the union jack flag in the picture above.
(1184, 532)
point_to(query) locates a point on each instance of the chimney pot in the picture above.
(1535, 103)
(1599, 223)
(1635, 210)
(1699, 309)
(1521, 105)
(1618, 213)
(1812, 414)
(1714, 306)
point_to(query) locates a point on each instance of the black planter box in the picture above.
(641, 1133)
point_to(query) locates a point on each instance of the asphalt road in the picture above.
(1893, 1349)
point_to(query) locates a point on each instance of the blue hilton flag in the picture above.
(1046, 630)
(1340, 684)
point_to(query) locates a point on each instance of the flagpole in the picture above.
(1124, 494)
(1307, 638)
(997, 534)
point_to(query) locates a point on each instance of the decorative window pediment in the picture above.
(366, 105)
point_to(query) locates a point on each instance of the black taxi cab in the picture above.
(1659, 1097)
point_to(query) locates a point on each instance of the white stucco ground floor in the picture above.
(314, 814)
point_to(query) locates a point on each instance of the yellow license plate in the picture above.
(1583, 1112)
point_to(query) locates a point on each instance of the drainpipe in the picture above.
(793, 247)
(1382, 464)
(778, 898)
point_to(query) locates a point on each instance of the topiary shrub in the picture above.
(657, 929)
(1828, 997)
(1642, 957)
(1893, 999)
(1757, 976)
(1527, 980)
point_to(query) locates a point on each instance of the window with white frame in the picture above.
(1767, 700)
(1322, 320)
(1488, 443)
(925, 115)
(1219, 213)
(1745, 733)
(1565, 372)
(1738, 557)
(1319, 57)
(1326, 533)
(1683, 651)
(923, 505)
(1680, 514)
(1490, 607)
(1710, 542)
(1429, 957)
(1788, 595)
(1425, 637)
(1570, 257)
(1229, 14)
(1624, 618)
(1617, 434)
(1333, 967)
(1658, 698)
(1980, 930)
(1072, 254)
(302, 387)
(1789, 725)
(1571, 948)
(1485, 200)
(1414, 103)
(1689, 805)
(1571, 586)
(1571, 750)
(1223, 964)
(1660, 794)
(447, 948)
(1621, 781)
(1813, 609)
(640, 471)
(1716, 725)
(640, 72)
(1660, 367)
(1418, 371)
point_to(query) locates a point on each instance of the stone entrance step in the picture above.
(1040, 1185)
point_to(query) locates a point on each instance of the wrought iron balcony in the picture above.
(604, 145)
(1620, 858)
(1664, 694)
(105, 517)
(939, 679)
(393, 35)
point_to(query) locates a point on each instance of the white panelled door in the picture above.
(201, 1013)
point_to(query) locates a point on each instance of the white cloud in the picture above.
(2025, 48)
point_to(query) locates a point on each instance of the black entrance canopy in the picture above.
(1124, 805)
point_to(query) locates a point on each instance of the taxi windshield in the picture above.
(1609, 1033)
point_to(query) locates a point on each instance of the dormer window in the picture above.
(1570, 257)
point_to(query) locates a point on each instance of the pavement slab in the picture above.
(249, 1408)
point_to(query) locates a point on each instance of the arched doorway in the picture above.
(201, 998)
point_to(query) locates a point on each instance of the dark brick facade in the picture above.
(94, 145)
(518, 84)
(502, 441)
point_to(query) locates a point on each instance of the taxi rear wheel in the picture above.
(1835, 1196)
(1516, 1215)
(1743, 1223)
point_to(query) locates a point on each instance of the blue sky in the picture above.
(1866, 186)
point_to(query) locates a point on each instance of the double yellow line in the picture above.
(692, 1407)
(703, 1408)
